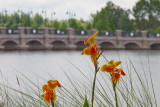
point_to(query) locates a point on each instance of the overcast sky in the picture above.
(81, 8)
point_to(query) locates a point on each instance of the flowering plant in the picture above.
(50, 95)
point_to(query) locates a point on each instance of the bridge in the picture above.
(25, 38)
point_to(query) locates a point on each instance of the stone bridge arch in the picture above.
(154, 46)
(63, 40)
(132, 45)
(80, 45)
(35, 44)
(58, 44)
(10, 44)
(10, 40)
(34, 40)
(107, 45)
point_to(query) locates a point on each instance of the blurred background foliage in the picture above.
(145, 15)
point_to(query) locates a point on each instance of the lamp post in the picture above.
(90, 18)
(71, 15)
(5, 11)
(2, 18)
(68, 13)
(9, 13)
(52, 13)
(30, 13)
(20, 15)
(44, 12)
(30, 17)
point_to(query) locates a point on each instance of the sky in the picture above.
(79, 8)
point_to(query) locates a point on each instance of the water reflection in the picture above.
(40, 66)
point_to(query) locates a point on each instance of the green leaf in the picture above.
(86, 104)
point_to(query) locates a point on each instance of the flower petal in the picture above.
(87, 50)
(117, 63)
(123, 73)
(57, 83)
(52, 84)
(97, 48)
(46, 97)
(93, 51)
(117, 76)
(54, 97)
(111, 62)
(104, 68)
(92, 38)
(85, 42)
(44, 87)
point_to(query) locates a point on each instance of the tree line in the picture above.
(145, 15)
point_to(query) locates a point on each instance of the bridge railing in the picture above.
(37, 31)
(51, 31)
(131, 34)
(12, 31)
(157, 35)
(81, 32)
(60, 31)
(33, 31)
(107, 33)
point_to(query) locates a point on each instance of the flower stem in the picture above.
(114, 88)
(94, 81)
(52, 103)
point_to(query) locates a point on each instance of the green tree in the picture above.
(117, 13)
(56, 24)
(140, 12)
(125, 23)
(157, 30)
(37, 21)
(73, 23)
(63, 25)
(104, 20)
(26, 22)
(112, 17)
(147, 14)
(15, 18)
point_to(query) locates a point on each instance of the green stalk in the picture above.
(94, 81)
(114, 88)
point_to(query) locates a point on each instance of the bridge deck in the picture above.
(27, 38)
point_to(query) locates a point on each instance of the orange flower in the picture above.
(118, 73)
(45, 88)
(92, 50)
(49, 95)
(111, 68)
(91, 39)
(52, 84)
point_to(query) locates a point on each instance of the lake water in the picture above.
(44, 65)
